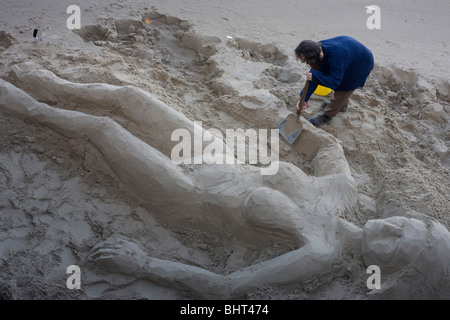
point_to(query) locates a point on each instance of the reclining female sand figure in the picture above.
(235, 203)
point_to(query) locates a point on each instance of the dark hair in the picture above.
(311, 51)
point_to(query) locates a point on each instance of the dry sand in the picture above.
(229, 65)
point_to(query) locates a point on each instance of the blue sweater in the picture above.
(345, 66)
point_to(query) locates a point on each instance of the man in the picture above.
(342, 64)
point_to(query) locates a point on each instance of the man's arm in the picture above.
(337, 62)
(312, 87)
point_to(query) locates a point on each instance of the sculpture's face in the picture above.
(393, 243)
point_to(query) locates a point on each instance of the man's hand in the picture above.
(309, 75)
(305, 105)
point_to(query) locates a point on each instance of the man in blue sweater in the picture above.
(342, 64)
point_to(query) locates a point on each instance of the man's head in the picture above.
(310, 52)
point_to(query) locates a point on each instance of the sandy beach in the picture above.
(91, 121)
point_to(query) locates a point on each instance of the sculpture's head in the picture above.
(393, 243)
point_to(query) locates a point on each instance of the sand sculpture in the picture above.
(234, 203)
(203, 230)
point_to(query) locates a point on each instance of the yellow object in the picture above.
(322, 91)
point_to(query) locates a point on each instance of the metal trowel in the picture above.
(292, 126)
